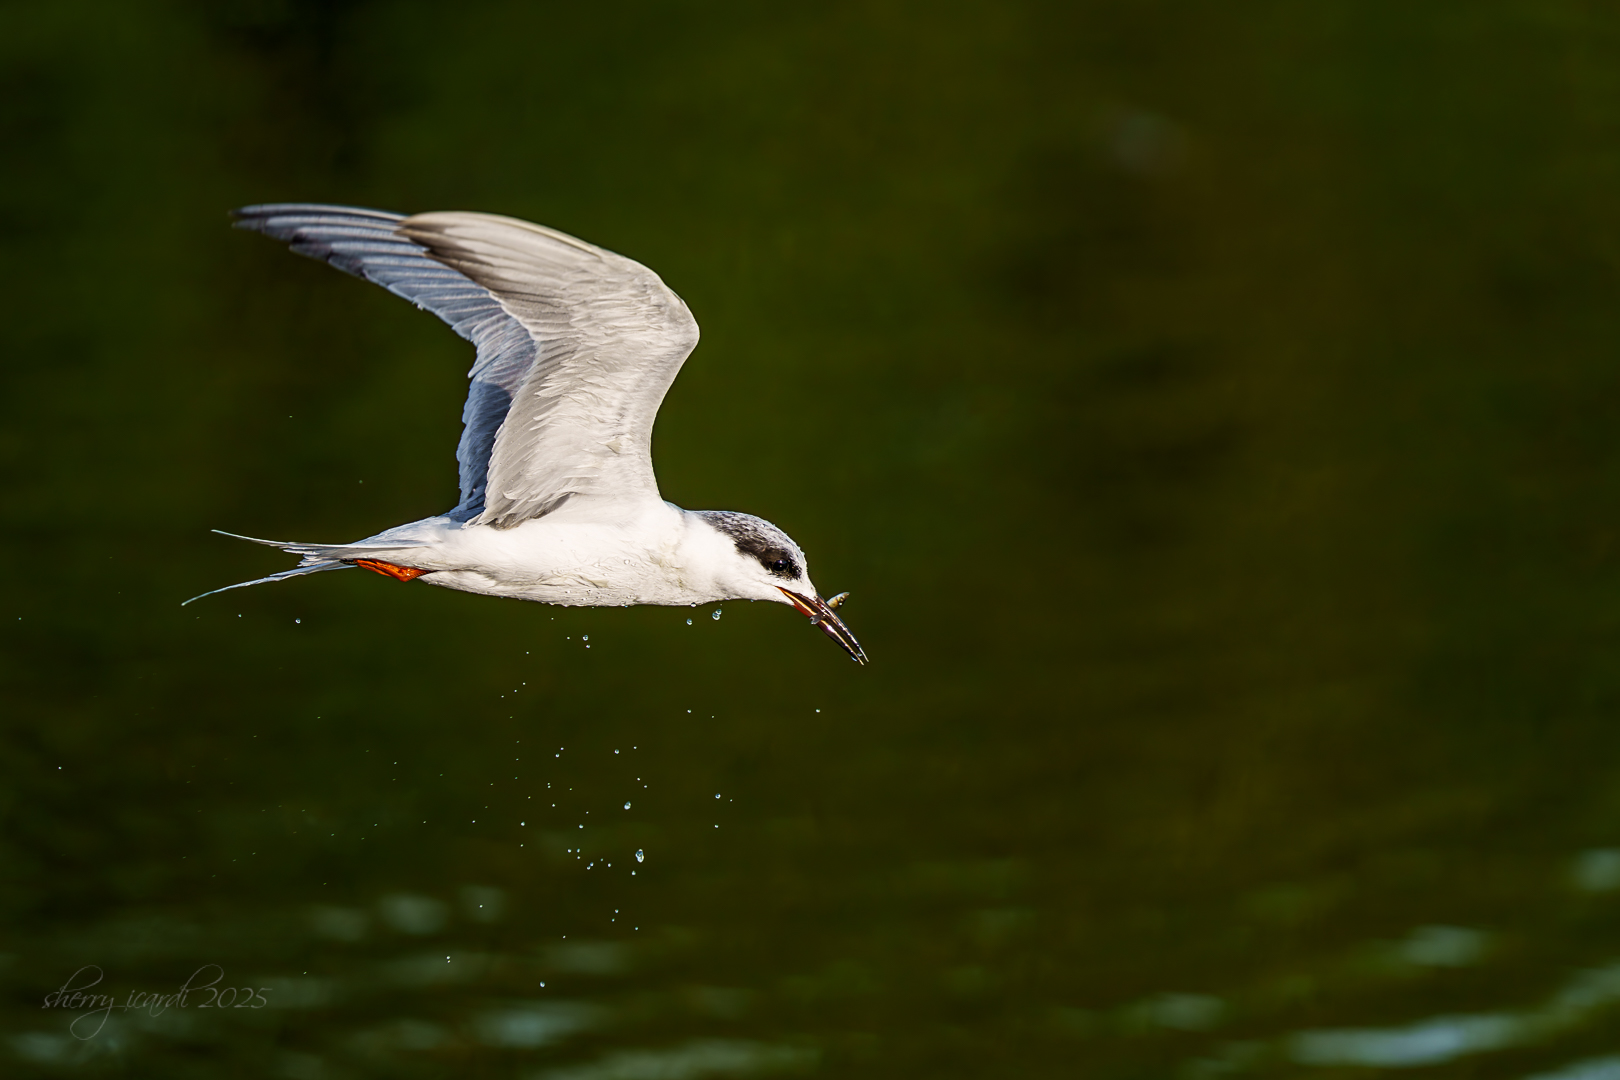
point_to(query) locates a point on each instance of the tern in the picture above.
(576, 347)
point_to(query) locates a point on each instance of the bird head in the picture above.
(758, 561)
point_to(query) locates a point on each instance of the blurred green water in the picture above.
(1211, 411)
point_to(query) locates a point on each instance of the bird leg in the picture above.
(388, 569)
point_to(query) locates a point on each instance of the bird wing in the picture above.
(576, 345)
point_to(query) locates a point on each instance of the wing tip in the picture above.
(256, 216)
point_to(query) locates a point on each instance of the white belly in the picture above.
(571, 560)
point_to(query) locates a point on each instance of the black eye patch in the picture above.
(757, 539)
(782, 566)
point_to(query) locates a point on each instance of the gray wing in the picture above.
(610, 337)
(585, 342)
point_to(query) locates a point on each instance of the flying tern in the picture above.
(576, 347)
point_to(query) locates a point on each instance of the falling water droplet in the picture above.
(716, 614)
(688, 622)
(585, 637)
(627, 806)
(639, 856)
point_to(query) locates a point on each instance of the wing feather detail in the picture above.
(576, 346)
(366, 243)
(610, 337)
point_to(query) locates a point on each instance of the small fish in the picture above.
(835, 601)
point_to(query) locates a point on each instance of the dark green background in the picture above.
(1211, 408)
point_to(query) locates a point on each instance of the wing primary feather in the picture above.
(584, 343)
(367, 244)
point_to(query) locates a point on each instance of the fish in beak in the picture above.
(821, 615)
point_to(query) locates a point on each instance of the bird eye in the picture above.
(783, 567)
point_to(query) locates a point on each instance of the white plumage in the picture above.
(576, 347)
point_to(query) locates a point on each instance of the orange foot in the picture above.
(388, 569)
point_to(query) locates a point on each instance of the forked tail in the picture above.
(316, 557)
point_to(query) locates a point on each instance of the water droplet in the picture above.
(716, 614)
(717, 795)
(296, 621)
(627, 806)
(639, 856)
(585, 637)
(688, 623)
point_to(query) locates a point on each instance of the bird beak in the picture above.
(822, 616)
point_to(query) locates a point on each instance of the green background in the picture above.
(1210, 408)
